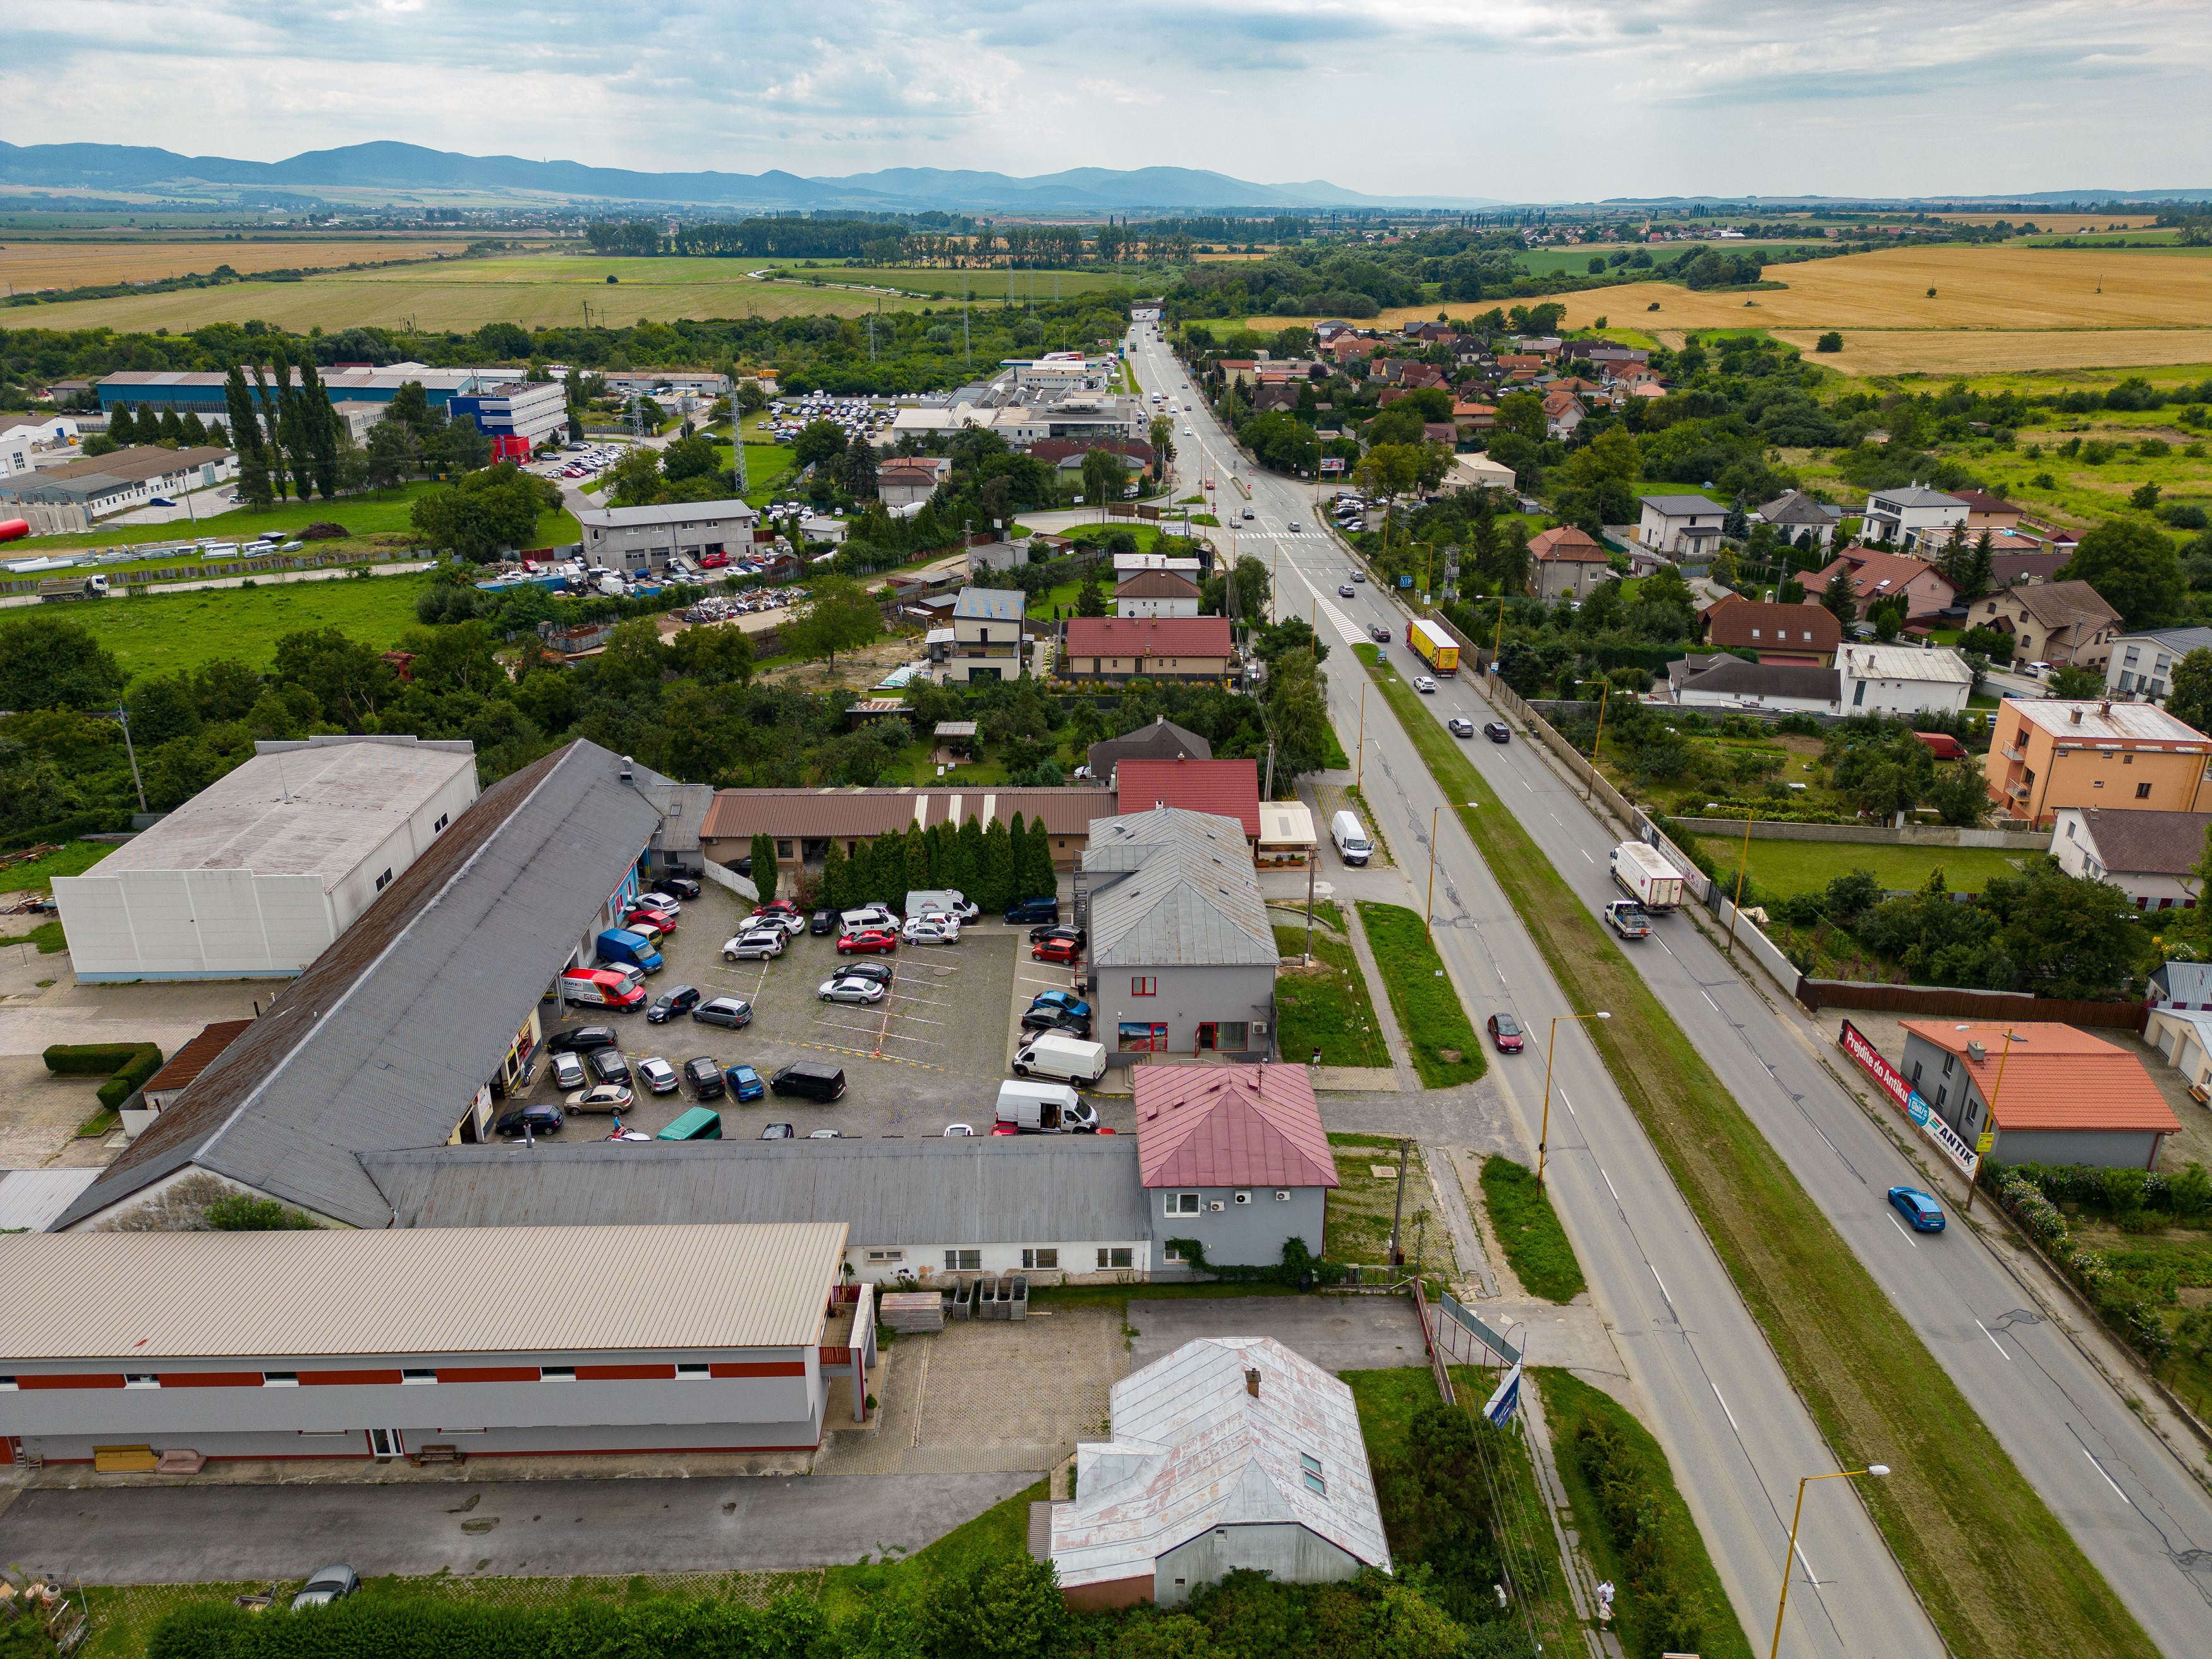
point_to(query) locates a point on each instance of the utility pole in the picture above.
(1398, 1206)
(129, 748)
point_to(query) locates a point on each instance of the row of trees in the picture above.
(993, 868)
(150, 426)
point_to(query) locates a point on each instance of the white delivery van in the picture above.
(1045, 1108)
(1352, 843)
(1069, 1059)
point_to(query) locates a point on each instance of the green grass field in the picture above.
(1807, 867)
(162, 633)
(1529, 1232)
(37, 875)
(1326, 1006)
(1430, 1017)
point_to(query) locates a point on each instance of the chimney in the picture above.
(2075, 714)
(1252, 1384)
(1975, 1051)
(2105, 709)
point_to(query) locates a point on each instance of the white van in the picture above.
(1069, 1059)
(1045, 1108)
(1352, 843)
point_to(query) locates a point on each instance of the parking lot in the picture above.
(931, 1052)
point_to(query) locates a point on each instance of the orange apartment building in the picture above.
(2046, 754)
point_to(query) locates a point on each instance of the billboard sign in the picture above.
(1331, 465)
(1902, 1096)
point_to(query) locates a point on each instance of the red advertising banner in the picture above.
(1854, 1042)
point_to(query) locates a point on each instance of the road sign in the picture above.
(1983, 1142)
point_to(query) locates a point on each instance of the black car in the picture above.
(733, 1011)
(878, 971)
(1046, 1018)
(583, 1040)
(1034, 909)
(811, 1079)
(1064, 930)
(608, 1066)
(541, 1117)
(677, 999)
(1379, 634)
(704, 1074)
(682, 886)
(1497, 732)
(823, 924)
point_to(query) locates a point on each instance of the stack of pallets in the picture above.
(911, 1311)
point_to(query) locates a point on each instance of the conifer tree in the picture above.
(995, 883)
(1018, 851)
(195, 430)
(968, 861)
(836, 875)
(121, 426)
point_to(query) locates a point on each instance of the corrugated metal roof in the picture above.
(195, 1056)
(703, 515)
(2057, 1077)
(1149, 636)
(1194, 1449)
(1225, 788)
(1190, 896)
(740, 813)
(1231, 1125)
(384, 1039)
(357, 1292)
(987, 1190)
(2104, 720)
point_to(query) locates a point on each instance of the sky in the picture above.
(1518, 100)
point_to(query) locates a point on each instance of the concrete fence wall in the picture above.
(1912, 835)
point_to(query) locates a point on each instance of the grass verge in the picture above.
(1325, 1009)
(1529, 1231)
(161, 633)
(1997, 1572)
(1000, 1531)
(1807, 867)
(1568, 1404)
(47, 936)
(1430, 1017)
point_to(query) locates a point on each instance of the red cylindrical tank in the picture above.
(10, 529)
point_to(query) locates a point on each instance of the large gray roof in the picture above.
(987, 1190)
(1162, 740)
(1184, 893)
(991, 604)
(384, 1039)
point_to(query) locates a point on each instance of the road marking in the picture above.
(1569, 1104)
(1909, 1238)
(1715, 1388)
(2109, 1481)
(1994, 1343)
(1529, 786)
(1710, 1003)
(1669, 1294)
(1608, 1185)
(1585, 853)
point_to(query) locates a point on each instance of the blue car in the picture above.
(1925, 1214)
(1064, 999)
(745, 1083)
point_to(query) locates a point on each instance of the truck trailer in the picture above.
(1433, 646)
(1646, 876)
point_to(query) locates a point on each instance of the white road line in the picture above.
(1710, 1003)
(1994, 1343)
(1608, 1185)
(1585, 853)
(1909, 1238)
(1569, 1104)
(1715, 1388)
(1669, 1294)
(2109, 1481)
(1529, 786)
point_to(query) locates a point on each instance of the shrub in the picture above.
(1660, 1612)
(241, 1213)
(126, 1065)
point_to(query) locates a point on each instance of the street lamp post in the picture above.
(1789, 1556)
(1544, 1134)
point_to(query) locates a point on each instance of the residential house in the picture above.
(1156, 593)
(1472, 418)
(1439, 432)
(1182, 953)
(990, 637)
(910, 480)
(1900, 679)
(2141, 664)
(1722, 681)
(1230, 1454)
(2152, 857)
(1987, 512)
(1270, 395)
(2052, 621)
(2029, 566)
(1877, 576)
(1520, 365)
(1562, 414)
(1778, 633)
(2067, 1097)
(1797, 515)
(802, 822)
(1914, 518)
(2181, 986)
(1238, 371)
(1233, 1159)
(1565, 562)
(2046, 753)
(1162, 740)
(1223, 789)
(1686, 526)
(1116, 649)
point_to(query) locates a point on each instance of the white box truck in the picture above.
(1069, 1059)
(1646, 876)
(1045, 1108)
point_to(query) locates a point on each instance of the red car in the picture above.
(879, 939)
(784, 905)
(1056, 950)
(1505, 1032)
(712, 561)
(660, 919)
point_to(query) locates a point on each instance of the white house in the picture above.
(1902, 679)
(1156, 593)
(1680, 524)
(2152, 857)
(2141, 664)
(1915, 517)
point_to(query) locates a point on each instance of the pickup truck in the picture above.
(1626, 918)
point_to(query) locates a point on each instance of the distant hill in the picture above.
(389, 166)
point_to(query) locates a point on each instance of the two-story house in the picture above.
(1687, 526)
(2046, 753)
(1117, 648)
(1915, 518)
(1878, 576)
(2141, 664)
(1156, 593)
(2052, 621)
(989, 637)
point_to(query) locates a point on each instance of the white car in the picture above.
(1190, 432)
(667, 902)
(1423, 682)
(868, 915)
(789, 922)
(959, 1131)
(850, 990)
(759, 945)
(659, 1076)
(600, 1097)
(936, 928)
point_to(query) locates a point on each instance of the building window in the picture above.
(557, 1373)
(2069, 829)
(418, 1376)
(1183, 1204)
(1143, 985)
(2143, 902)
(2097, 783)
(444, 818)
(2142, 792)
(1916, 1073)
(1309, 1470)
(280, 1379)
(2127, 760)
(1039, 1258)
(694, 1373)
(1949, 1060)
(1940, 1095)
(1137, 1036)
(141, 1380)
(877, 1257)
(384, 881)
(783, 849)
(963, 1261)
(1120, 1256)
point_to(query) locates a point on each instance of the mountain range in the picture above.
(410, 168)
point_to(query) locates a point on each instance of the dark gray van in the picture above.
(811, 1080)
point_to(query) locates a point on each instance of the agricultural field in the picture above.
(161, 633)
(2062, 224)
(1984, 351)
(73, 264)
(981, 286)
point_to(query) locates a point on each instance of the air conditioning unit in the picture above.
(1282, 1196)
(1244, 1197)
(1216, 1205)
(1259, 1028)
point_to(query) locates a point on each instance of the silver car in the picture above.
(851, 990)
(761, 943)
(325, 1586)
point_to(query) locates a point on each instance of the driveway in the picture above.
(1337, 1333)
(180, 1534)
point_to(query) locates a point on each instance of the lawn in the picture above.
(1997, 1572)
(766, 465)
(1807, 867)
(1437, 1032)
(1362, 1203)
(37, 875)
(159, 633)
(1324, 1009)
(1528, 1231)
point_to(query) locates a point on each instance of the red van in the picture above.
(603, 987)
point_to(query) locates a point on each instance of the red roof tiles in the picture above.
(1226, 788)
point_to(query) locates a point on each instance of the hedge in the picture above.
(126, 1064)
(377, 1627)
(65, 830)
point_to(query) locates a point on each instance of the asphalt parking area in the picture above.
(942, 1011)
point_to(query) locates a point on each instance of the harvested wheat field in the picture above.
(2058, 224)
(1997, 351)
(92, 264)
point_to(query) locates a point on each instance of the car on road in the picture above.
(735, 1012)
(657, 1074)
(1296, 528)
(1626, 918)
(600, 1097)
(778, 1132)
(1497, 732)
(758, 945)
(874, 941)
(932, 929)
(675, 1000)
(744, 1083)
(1190, 432)
(1055, 949)
(1460, 727)
(1248, 515)
(1343, 590)
(582, 1040)
(567, 1072)
(1423, 682)
(2036, 670)
(1505, 1033)
(540, 1117)
(1379, 634)
(1359, 575)
(609, 1066)
(323, 1586)
(1918, 1208)
(863, 991)
(704, 1073)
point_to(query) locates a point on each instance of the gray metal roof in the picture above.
(1683, 507)
(987, 1190)
(990, 604)
(1912, 496)
(2178, 640)
(1162, 740)
(703, 514)
(1185, 895)
(386, 1039)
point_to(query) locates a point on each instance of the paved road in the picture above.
(204, 1535)
(2139, 1518)
(1736, 1433)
